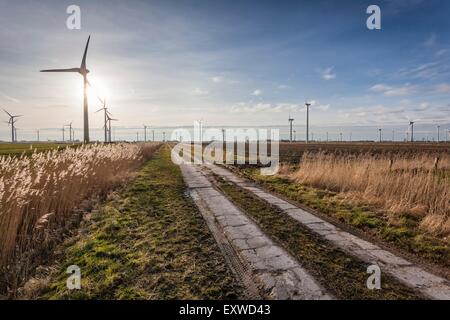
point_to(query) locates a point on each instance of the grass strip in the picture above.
(150, 242)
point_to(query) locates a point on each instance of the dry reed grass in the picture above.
(39, 195)
(414, 185)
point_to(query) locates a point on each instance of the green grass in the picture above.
(150, 242)
(344, 276)
(403, 233)
(17, 149)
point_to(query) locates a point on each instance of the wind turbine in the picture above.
(83, 71)
(109, 119)
(411, 124)
(106, 114)
(12, 121)
(145, 132)
(70, 130)
(290, 124)
(307, 105)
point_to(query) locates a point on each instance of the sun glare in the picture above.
(98, 89)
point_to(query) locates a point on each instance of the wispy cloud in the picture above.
(431, 40)
(199, 92)
(327, 74)
(265, 107)
(283, 86)
(442, 88)
(257, 92)
(216, 79)
(430, 70)
(392, 90)
(9, 98)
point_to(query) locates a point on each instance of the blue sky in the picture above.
(240, 63)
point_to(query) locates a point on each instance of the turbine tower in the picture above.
(307, 104)
(145, 132)
(12, 121)
(290, 131)
(83, 71)
(411, 123)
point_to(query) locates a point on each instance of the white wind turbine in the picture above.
(83, 71)
(106, 114)
(12, 121)
(109, 119)
(411, 125)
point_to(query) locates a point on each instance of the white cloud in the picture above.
(442, 88)
(216, 79)
(429, 70)
(324, 107)
(265, 107)
(391, 91)
(257, 92)
(327, 74)
(283, 86)
(200, 92)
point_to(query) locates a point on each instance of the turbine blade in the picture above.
(7, 113)
(99, 110)
(89, 84)
(62, 70)
(100, 99)
(83, 62)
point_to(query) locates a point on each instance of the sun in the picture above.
(98, 89)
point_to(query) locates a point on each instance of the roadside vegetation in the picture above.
(404, 232)
(148, 241)
(344, 276)
(417, 187)
(43, 194)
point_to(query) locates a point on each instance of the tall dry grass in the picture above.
(416, 185)
(39, 195)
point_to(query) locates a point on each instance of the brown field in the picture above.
(418, 184)
(291, 152)
(401, 178)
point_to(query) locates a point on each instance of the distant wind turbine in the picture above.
(307, 104)
(70, 130)
(145, 132)
(12, 121)
(109, 129)
(106, 114)
(411, 124)
(290, 124)
(83, 71)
